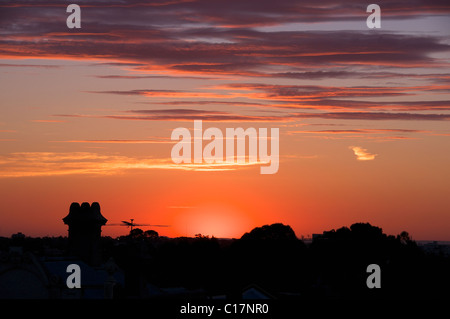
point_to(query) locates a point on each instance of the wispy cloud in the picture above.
(183, 115)
(166, 93)
(344, 97)
(369, 134)
(120, 141)
(45, 66)
(48, 121)
(142, 77)
(207, 102)
(359, 131)
(313, 97)
(32, 164)
(215, 116)
(377, 116)
(362, 154)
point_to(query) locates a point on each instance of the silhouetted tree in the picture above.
(151, 234)
(271, 232)
(340, 259)
(136, 233)
(271, 256)
(404, 237)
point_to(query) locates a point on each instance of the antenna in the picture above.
(131, 224)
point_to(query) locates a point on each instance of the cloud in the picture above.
(342, 104)
(316, 95)
(359, 131)
(48, 121)
(379, 135)
(208, 102)
(183, 115)
(218, 37)
(35, 164)
(347, 74)
(362, 154)
(112, 141)
(221, 39)
(216, 116)
(45, 66)
(165, 93)
(139, 77)
(235, 14)
(376, 116)
(178, 112)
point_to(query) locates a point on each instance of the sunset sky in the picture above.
(87, 114)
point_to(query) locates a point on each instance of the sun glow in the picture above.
(216, 220)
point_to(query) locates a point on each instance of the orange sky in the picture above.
(87, 115)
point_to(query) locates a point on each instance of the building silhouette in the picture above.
(85, 227)
(31, 270)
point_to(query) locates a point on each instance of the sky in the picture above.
(86, 114)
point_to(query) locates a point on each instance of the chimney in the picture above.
(85, 226)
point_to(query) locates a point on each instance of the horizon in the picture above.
(304, 239)
(144, 227)
(88, 114)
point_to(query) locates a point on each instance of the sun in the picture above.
(218, 220)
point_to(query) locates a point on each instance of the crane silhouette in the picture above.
(131, 224)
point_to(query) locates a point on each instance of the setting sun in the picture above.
(220, 221)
